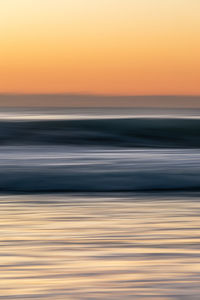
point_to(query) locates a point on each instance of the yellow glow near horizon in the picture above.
(100, 46)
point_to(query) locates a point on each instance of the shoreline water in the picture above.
(109, 247)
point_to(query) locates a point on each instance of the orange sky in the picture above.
(131, 47)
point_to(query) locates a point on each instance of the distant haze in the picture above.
(67, 100)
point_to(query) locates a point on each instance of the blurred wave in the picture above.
(98, 151)
(128, 132)
(75, 169)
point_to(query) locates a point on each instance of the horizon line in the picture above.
(98, 94)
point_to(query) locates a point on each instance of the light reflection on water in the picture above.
(79, 247)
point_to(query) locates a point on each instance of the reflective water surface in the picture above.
(91, 247)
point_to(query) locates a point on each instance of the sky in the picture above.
(107, 47)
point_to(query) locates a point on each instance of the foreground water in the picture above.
(100, 247)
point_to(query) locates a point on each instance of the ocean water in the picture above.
(99, 204)
(144, 246)
(99, 150)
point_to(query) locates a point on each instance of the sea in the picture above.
(99, 203)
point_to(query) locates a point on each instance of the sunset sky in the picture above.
(119, 47)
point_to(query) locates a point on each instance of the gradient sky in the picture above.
(130, 47)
